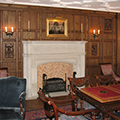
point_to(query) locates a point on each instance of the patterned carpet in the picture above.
(40, 115)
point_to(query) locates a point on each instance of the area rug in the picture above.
(40, 114)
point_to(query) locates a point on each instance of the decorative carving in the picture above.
(9, 50)
(108, 24)
(94, 49)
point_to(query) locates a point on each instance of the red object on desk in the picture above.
(103, 93)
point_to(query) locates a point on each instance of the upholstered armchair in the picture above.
(12, 98)
(3, 72)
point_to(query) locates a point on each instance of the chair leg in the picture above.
(74, 106)
(81, 102)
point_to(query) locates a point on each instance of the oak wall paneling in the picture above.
(101, 49)
(118, 43)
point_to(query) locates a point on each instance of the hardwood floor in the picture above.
(37, 103)
(33, 104)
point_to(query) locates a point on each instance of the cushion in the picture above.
(107, 69)
(10, 114)
(3, 73)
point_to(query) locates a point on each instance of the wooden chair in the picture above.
(3, 72)
(106, 69)
(105, 80)
(51, 110)
(75, 85)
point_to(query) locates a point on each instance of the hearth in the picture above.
(36, 53)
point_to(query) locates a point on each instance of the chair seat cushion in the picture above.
(10, 114)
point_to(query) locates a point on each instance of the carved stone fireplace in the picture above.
(36, 53)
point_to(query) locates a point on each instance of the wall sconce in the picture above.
(96, 35)
(9, 33)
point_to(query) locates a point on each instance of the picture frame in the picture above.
(56, 27)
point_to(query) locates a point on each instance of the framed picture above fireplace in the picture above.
(56, 27)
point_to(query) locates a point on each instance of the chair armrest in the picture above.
(71, 113)
(22, 95)
(115, 81)
(73, 100)
(21, 98)
(65, 101)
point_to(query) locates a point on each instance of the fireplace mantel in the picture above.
(40, 52)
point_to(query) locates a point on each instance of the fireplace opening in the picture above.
(53, 77)
(55, 84)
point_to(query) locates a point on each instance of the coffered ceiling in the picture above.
(97, 5)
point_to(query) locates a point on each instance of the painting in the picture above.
(56, 27)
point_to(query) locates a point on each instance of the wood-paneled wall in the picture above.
(98, 50)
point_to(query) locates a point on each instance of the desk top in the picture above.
(103, 93)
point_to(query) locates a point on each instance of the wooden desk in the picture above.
(104, 98)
